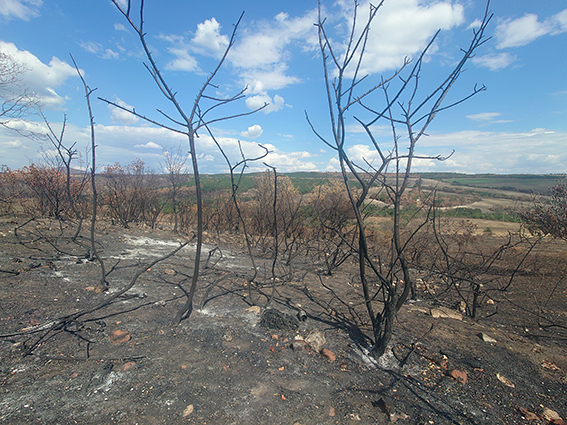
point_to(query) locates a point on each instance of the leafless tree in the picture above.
(16, 101)
(548, 216)
(173, 166)
(385, 281)
(93, 252)
(236, 173)
(64, 159)
(188, 123)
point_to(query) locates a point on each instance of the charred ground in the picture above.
(126, 364)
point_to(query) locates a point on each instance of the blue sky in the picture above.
(519, 125)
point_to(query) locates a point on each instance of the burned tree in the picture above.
(16, 101)
(385, 279)
(188, 122)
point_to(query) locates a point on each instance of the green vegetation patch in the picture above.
(526, 183)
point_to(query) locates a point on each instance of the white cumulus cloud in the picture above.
(208, 39)
(149, 145)
(253, 132)
(183, 61)
(275, 104)
(524, 30)
(120, 116)
(41, 78)
(494, 62)
(402, 29)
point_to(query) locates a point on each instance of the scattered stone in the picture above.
(99, 289)
(160, 303)
(505, 381)
(134, 293)
(396, 416)
(550, 415)
(490, 301)
(118, 336)
(459, 376)
(445, 313)
(443, 362)
(354, 416)
(89, 288)
(274, 319)
(188, 410)
(325, 352)
(127, 365)
(487, 338)
(299, 345)
(301, 316)
(316, 340)
(548, 365)
(170, 272)
(462, 307)
(254, 309)
(332, 411)
(528, 416)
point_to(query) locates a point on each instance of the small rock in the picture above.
(489, 301)
(459, 376)
(549, 365)
(463, 307)
(332, 411)
(354, 416)
(254, 309)
(396, 416)
(487, 338)
(445, 313)
(528, 416)
(443, 362)
(316, 340)
(299, 345)
(99, 289)
(170, 272)
(118, 336)
(134, 293)
(302, 316)
(188, 410)
(89, 288)
(127, 365)
(550, 415)
(325, 352)
(505, 381)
